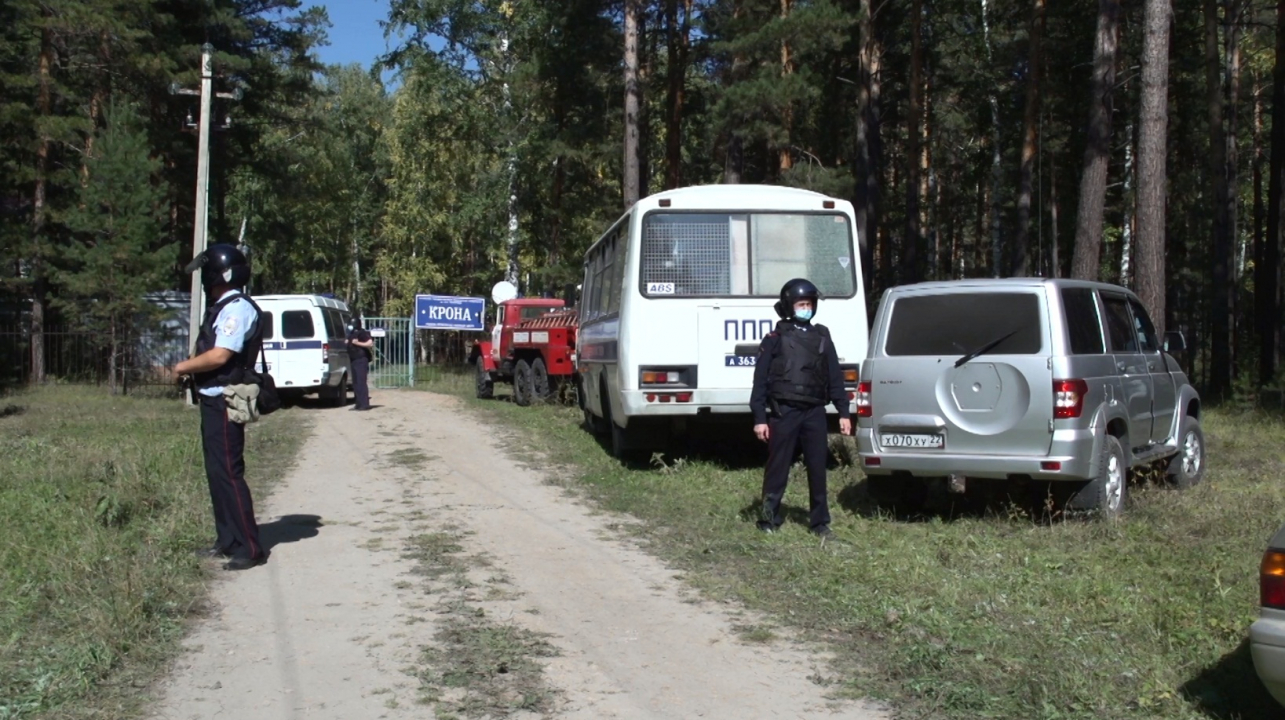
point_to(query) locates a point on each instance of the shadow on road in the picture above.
(288, 529)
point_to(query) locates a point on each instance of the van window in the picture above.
(1119, 324)
(265, 321)
(954, 324)
(335, 329)
(296, 324)
(1082, 326)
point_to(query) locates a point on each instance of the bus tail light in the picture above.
(667, 378)
(864, 406)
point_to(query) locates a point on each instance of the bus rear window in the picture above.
(953, 324)
(745, 255)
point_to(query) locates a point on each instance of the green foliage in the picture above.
(120, 253)
(104, 502)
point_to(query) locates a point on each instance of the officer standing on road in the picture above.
(359, 350)
(796, 374)
(227, 348)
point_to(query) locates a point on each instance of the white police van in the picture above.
(305, 342)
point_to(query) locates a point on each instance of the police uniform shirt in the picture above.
(231, 329)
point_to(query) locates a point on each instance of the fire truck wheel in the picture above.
(485, 386)
(522, 383)
(540, 381)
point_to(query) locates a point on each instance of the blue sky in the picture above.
(355, 35)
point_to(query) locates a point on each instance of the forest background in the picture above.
(1135, 142)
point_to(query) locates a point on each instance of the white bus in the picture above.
(679, 292)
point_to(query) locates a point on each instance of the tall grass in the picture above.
(103, 501)
(961, 614)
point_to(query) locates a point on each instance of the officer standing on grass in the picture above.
(359, 349)
(227, 347)
(796, 375)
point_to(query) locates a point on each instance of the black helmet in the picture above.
(221, 264)
(794, 291)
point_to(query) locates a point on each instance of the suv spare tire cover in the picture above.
(983, 398)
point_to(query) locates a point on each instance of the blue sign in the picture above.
(444, 312)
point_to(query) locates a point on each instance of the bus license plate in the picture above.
(909, 440)
(741, 360)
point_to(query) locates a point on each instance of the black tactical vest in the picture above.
(234, 370)
(798, 374)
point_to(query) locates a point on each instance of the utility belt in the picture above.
(774, 405)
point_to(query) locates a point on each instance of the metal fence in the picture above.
(394, 364)
(82, 356)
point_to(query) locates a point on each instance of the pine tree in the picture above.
(118, 220)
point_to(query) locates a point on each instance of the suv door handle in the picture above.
(1151, 366)
(1120, 366)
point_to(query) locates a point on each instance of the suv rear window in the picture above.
(296, 324)
(959, 323)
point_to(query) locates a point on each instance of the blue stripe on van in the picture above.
(293, 345)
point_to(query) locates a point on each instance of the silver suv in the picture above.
(1022, 380)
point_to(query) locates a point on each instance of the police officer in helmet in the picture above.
(226, 352)
(796, 375)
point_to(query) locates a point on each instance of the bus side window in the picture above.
(607, 276)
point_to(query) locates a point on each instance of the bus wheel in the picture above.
(522, 383)
(539, 381)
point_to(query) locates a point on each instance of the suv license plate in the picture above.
(905, 440)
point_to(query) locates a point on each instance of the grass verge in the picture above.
(993, 615)
(477, 667)
(104, 499)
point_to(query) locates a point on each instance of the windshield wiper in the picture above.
(986, 348)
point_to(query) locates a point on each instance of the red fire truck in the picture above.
(532, 345)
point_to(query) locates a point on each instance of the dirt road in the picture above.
(335, 625)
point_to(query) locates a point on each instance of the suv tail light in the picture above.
(864, 408)
(1068, 398)
(325, 352)
(1271, 580)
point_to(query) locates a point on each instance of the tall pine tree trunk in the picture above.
(39, 208)
(1153, 129)
(1267, 299)
(866, 166)
(992, 209)
(1030, 146)
(1220, 302)
(784, 152)
(679, 45)
(910, 260)
(1097, 151)
(633, 102)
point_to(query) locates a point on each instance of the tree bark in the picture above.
(784, 152)
(866, 157)
(633, 101)
(1267, 279)
(1097, 151)
(1153, 132)
(679, 46)
(1030, 147)
(1220, 305)
(39, 209)
(910, 260)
